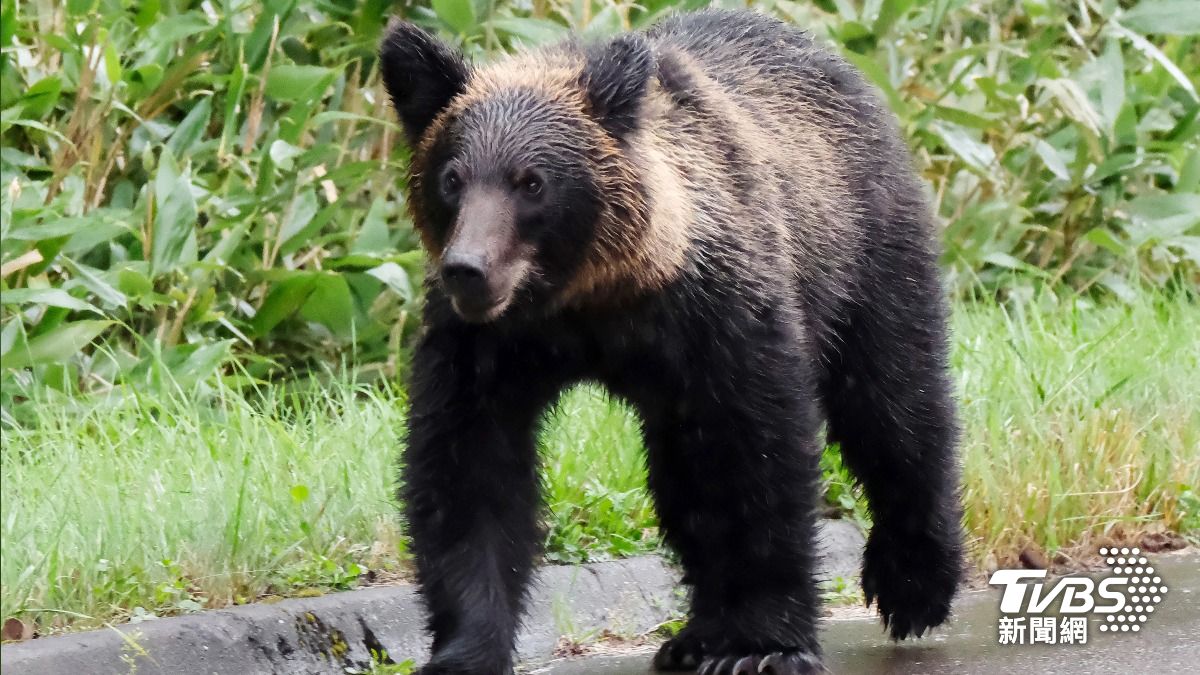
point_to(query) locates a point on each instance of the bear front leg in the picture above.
(733, 467)
(470, 496)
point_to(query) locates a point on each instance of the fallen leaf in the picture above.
(16, 630)
(1033, 559)
(1156, 542)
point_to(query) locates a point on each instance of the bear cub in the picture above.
(716, 220)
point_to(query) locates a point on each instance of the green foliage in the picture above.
(173, 502)
(599, 508)
(187, 183)
(1059, 138)
(197, 197)
(842, 491)
(1080, 421)
(1189, 507)
(180, 178)
(385, 666)
(841, 591)
(1079, 424)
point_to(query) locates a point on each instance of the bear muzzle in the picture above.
(485, 260)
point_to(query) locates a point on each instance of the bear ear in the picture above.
(615, 78)
(421, 73)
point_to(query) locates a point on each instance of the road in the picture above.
(1168, 643)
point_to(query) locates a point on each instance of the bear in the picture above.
(717, 220)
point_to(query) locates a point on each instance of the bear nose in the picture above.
(464, 274)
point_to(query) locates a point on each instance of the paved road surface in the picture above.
(1168, 643)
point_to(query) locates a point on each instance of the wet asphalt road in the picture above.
(1168, 643)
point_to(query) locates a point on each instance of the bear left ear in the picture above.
(421, 73)
(615, 78)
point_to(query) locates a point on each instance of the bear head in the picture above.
(522, 184)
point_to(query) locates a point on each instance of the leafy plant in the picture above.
(1059, 138)
(192, 182)
(841, 489)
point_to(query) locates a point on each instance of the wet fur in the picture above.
(749, 254)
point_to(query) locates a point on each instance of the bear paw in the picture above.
(775, 663)
(684, 652)
(911, 581)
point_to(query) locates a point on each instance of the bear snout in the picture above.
(465, 274)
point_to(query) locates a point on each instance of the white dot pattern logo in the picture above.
(1149, 589)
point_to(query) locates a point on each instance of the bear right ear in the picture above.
(421, 73)
(615, 77)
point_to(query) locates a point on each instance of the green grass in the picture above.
(193, 191)
(1080, 424)
(595, 480)
(166, 503)
(134, 504)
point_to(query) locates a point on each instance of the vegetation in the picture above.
(188, 182)
(1078, 429)
(1080, 423)
(209, 283)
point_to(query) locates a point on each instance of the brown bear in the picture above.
(718, 221)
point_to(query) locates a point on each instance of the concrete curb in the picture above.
(338, 633)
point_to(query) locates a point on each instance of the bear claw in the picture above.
(681, 653)
(775, 663)
(911, 584)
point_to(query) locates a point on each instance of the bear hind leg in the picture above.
(890, 408)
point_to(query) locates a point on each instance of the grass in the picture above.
(1080, 425)
(1081, 422)
(136, 505)
(161, 504)
(599, 506)
(207, 189)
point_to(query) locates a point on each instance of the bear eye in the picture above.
(451, 182)
(531, 185)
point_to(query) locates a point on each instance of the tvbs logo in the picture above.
(1036, 612)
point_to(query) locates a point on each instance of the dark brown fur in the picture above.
(731, 238)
